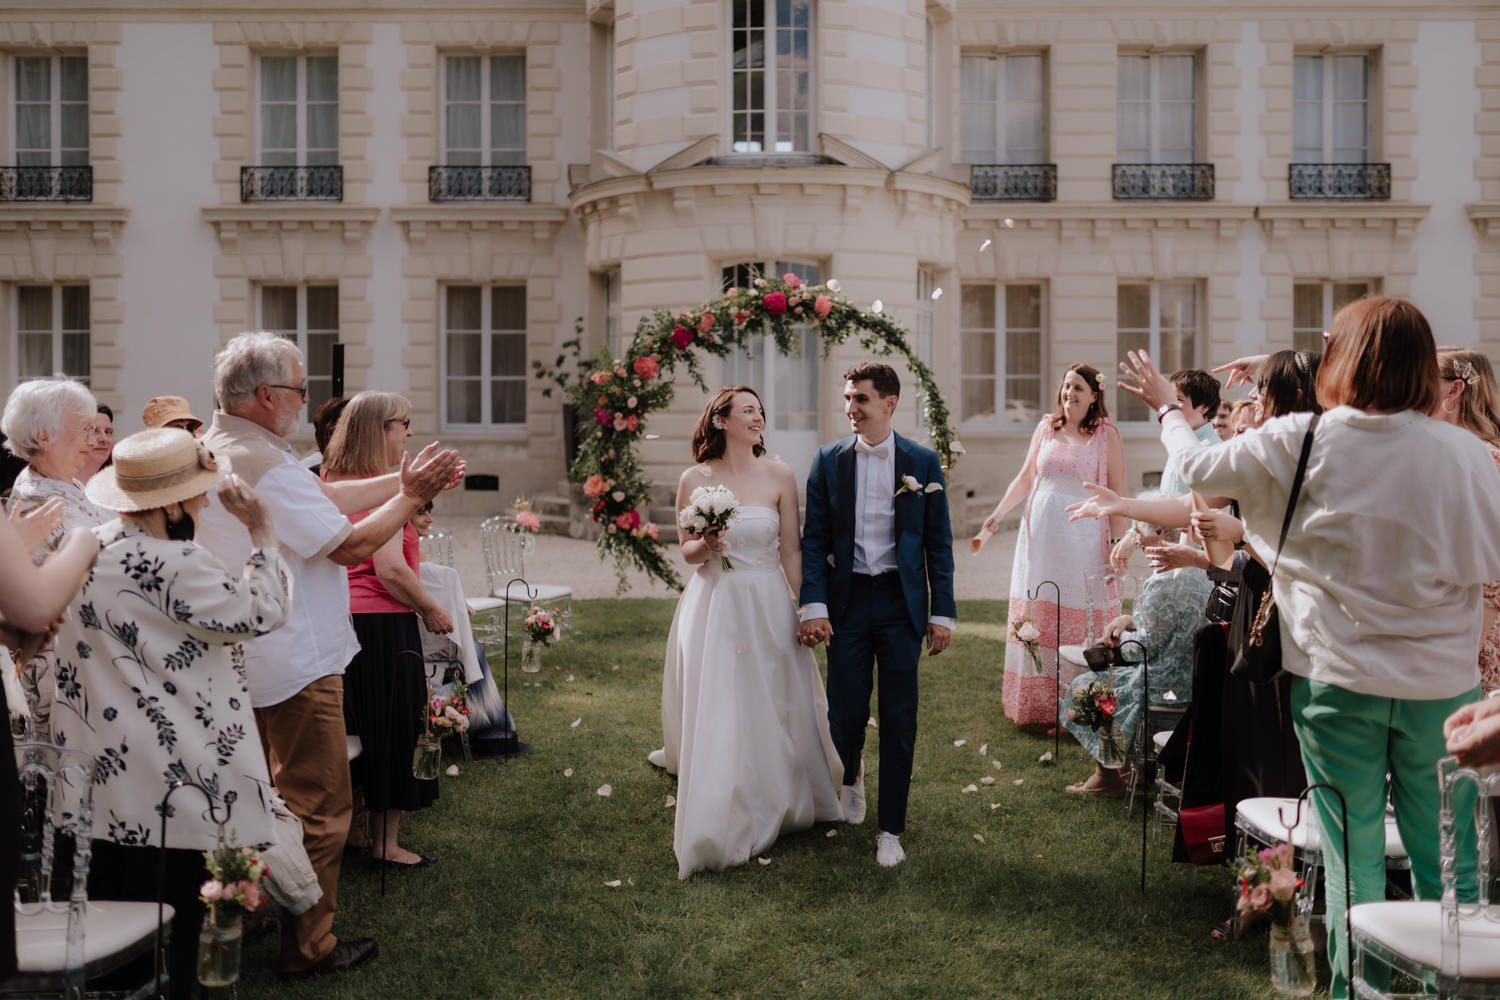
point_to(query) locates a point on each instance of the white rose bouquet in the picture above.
(710, 509)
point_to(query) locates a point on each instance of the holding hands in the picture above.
(814, 632)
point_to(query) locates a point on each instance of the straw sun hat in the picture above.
(153, 469)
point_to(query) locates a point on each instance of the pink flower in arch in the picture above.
(603, 416)
(792, 281)
(775, 303)
(706, 323)
(821, 305)
(681, 335)
(647, 367)
(594, 485)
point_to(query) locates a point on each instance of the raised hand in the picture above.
(1104, 503)
(1146, 383)
(1217, 524)
(1242, 371)
(431, 473)
(1172, 555)
(37, 526)
(428, 452)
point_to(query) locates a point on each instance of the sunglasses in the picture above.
(403, 421)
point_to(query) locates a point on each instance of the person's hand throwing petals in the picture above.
(1242, 371)
(1473, 733)
(1104, 503)
(1149, 385)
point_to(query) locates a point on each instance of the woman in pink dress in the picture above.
(1471, 401)
(1077, 443)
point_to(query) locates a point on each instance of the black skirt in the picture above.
(385, 699)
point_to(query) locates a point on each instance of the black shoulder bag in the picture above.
(1255, 632)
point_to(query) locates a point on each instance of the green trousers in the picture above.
(1352, 741)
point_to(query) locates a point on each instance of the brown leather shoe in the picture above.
(345, 955)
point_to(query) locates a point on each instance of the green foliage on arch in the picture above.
(615, 396)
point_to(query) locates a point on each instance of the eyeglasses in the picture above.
(403, 421)
(300, 389)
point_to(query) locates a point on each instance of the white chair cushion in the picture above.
(1261, 818)
(1072, 655)
(544, 592)
(1414, 929)
(479, 605)
(109, 927)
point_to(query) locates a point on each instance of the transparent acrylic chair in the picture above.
(506, 546)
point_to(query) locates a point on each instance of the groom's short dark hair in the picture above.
(882, 377)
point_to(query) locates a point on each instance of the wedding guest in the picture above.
(1163, 620)
(100, 455)
(1222, 425)
(1077, 443)
(148, 680)
(51, 424)
(1378, 587)
(324, 421)
(171, 411)
(295, 674)
(385, 685)
(1471, 401)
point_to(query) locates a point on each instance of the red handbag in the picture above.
(1203, 833)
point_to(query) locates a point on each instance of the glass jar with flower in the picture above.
(527, 520)
(1268, 884)
(541, 629)
(233, 890)
(1094, 705)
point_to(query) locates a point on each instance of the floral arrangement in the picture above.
(449, 713)
(710, 510)
(1268, 884)
(615, 397)
(1024, 631)
(541, 625)
(235, 886)
(1094, 705)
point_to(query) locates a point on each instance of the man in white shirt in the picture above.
(295, 676)
(876, 543)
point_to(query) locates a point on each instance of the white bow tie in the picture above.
(879, 451)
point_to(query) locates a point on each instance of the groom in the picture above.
(877, 540)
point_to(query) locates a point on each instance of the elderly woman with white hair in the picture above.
(1163, 619)
(51, 423)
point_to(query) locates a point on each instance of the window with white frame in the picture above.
(484, 111)
(52, 331)
(1331, 109)
(299, 111)
(771, 76)
(1314, 304)
(1163, 319)
(1157, 108)
(52, 111)
(308, 316)
(1004, 109)
(1000, 337)
(484, 356)
(612, 312)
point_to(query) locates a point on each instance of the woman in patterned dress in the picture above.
(1471, 401)
(150, 678)
(1075, 444)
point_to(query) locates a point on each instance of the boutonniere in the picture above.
(909, 484)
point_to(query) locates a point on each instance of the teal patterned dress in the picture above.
(1167, 613)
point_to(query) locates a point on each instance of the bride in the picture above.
(744, 715)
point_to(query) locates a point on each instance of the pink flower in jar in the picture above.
(1260, 898)
(529, 520)
(251, 894)
(775, 303)
(211, 890)
(647, 367)
(821, 305)
(1284, 884)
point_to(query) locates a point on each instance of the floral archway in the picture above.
(615, 396)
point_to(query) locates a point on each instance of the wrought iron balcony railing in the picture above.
(1164, 181)
(1340, 181)
(1013, 181)
(46, 183)
(292, 183)
(479, 183)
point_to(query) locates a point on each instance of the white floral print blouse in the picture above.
(151, 681)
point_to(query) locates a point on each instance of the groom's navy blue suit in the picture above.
(877, 620)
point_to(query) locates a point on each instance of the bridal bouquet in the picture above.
(710, 509)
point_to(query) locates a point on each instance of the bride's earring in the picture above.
(717, 422)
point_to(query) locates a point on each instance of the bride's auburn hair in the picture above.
(708, 440)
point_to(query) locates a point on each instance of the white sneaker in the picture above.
(852, 798)
(888, 852)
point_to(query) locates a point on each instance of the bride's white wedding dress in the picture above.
(744, 714)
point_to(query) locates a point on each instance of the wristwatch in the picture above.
(1164, 409)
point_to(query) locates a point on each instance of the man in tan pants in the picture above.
(295, 675)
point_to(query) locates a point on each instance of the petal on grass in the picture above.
(979, 837)
(872, 723)
(959, 743)
(995, 764)
(832, 833)
(988, 779)
(994, 806)
(605, 791)
(671, 801)
(567, 772)
(576, 723)
(613, 883)
(570, 678)
(984, 749)
(1019, 781)
(452, 771)
(970, 788)
(763, 861)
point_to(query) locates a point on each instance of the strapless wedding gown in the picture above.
(744, 714)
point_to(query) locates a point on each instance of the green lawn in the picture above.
(1048, 905)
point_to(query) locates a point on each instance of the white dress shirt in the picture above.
(874, 518)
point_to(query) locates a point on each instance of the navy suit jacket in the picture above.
(924, 538)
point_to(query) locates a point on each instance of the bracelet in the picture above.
(1164, 409)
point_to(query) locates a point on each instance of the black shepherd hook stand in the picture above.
(1148, 760)
(511, 740)
(161, 866)
(1348, 896)
(1033, 597)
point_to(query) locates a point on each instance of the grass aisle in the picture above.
(1046, 907)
